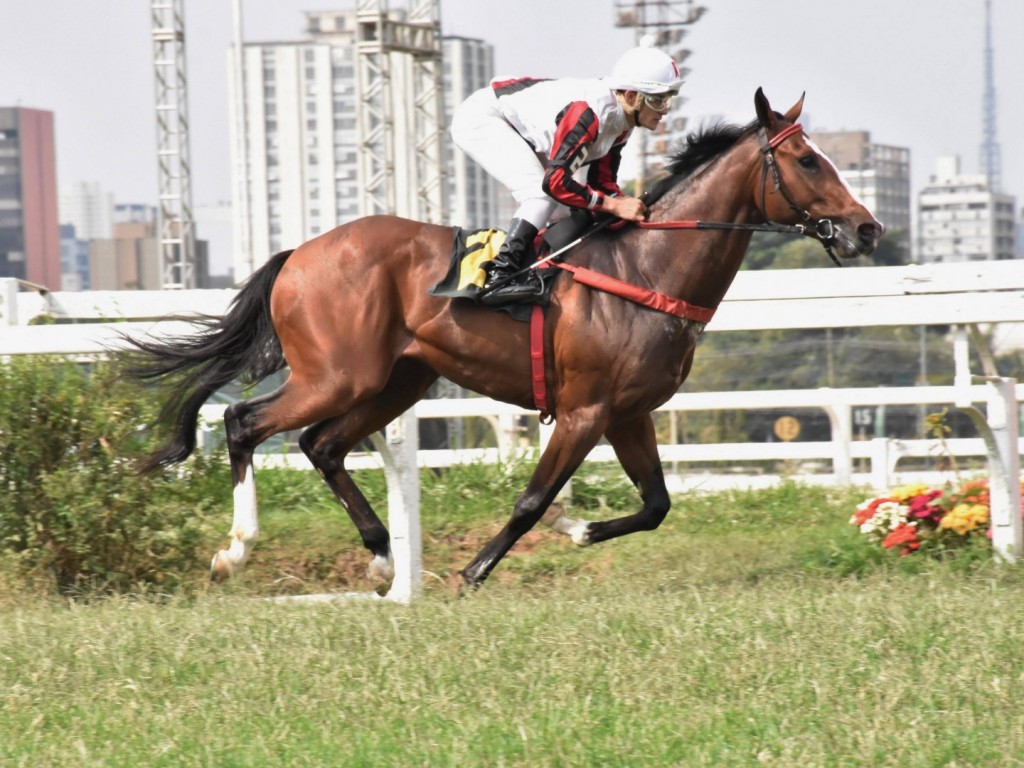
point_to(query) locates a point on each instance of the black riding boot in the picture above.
(515, 254)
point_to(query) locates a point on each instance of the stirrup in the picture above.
(528, 286)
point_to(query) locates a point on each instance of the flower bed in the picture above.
(918, 517)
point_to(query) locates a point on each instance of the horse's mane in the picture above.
(695, 150)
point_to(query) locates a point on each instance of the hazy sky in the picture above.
(908, 71)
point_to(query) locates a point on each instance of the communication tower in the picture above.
(666, 21)
(990, 163)
(175, 228)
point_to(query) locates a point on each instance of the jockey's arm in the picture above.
(576, 131)
(604, 175)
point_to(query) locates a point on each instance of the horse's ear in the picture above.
(794, 112)
(765, 115)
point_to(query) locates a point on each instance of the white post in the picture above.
(1004, 469)
(8, 301)
(507, 434)
(880, 463)
(841, 418)
(398, 450)
(544, 434)
(961, 368)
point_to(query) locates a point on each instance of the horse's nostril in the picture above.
(869, 232)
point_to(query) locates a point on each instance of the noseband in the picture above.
(821, 229)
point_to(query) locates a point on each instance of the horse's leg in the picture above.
(636, 446)
(328, 443)
(574, 435)
(248, 423)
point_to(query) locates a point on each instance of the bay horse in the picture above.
(349, 314)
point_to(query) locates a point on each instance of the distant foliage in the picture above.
(73, 511)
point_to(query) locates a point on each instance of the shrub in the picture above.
(73, 509)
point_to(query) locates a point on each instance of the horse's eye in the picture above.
(810, 162)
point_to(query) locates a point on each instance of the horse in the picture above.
(349, 314)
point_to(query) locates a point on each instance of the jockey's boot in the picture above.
(515, 254)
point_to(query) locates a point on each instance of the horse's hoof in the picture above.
(381, 572)
(468, 587)
(580, 534)
(221, 568)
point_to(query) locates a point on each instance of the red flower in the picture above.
(903, 535)
(921, 508)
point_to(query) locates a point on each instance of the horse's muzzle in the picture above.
(864, 241)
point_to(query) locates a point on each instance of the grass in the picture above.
(752, 629)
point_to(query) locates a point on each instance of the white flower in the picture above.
(888, 516)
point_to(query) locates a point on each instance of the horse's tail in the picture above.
(241, 345)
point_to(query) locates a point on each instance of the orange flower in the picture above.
(903, 535)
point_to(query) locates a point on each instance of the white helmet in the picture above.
(645, 69)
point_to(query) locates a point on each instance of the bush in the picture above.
(74, 511)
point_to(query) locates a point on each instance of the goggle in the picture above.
(660, 103)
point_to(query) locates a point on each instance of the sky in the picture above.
(911, 72)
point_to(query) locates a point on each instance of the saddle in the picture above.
(465, 277)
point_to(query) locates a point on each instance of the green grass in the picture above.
(752, 629)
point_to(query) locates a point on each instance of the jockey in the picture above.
(559, 142)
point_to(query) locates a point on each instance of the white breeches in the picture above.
(479, 130)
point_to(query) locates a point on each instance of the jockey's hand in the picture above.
(628, 208)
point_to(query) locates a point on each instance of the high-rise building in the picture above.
(301, 136)
(961, 218)
(88, 207)
(74, 260)
(29, 233)
(473, 195)
(879, 175)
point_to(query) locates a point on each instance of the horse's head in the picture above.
(800, 185)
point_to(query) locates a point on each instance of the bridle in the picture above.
(822, 230)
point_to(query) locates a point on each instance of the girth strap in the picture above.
(540, 389)
(643, 296)
(601, 282)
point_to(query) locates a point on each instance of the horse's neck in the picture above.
(699, 265)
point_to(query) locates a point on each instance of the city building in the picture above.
(877, 173)
(961, 218)
(29, 233)
(475, 199)
(88, 207)
(130, 259)
(74, 260)
(139, 213)
(301, 136)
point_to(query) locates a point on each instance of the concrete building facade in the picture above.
(475, 199)
(961, 218)
(29, 231)
(74, 260)
(88, 207)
